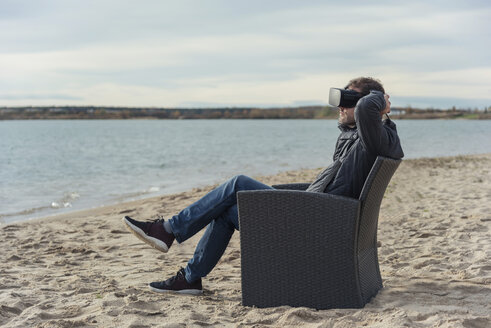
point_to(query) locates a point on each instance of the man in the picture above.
(364, 136)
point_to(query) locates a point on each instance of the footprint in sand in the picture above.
(110, 248)
(14, 258)
(12, 227)
(10, 236)
(67, 312)
(127, 211)
(137, 324)
(116, 231)
(7, 311)
(426, 235)
(425, 263)
(477, 323)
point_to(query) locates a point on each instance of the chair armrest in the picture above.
(289, 207)
(292, 186)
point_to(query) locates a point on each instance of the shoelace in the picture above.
(180, 273)
(159, 218)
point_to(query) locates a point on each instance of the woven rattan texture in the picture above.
(285, 257)
(371, 199)
(304, 249)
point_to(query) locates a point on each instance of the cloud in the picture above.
(168, 53)
(442, 102)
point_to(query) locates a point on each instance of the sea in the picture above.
(49, 167)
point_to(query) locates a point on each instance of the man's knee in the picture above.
(243, 182)
(242, 178)
(239, 180)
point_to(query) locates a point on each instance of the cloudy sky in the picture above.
(184, 53)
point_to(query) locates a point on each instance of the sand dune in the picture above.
(84, 269)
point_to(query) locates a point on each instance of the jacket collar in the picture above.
(345, 128)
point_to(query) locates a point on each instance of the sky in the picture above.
(227, 53)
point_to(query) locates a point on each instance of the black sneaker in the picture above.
(177, 284)
(153, 233)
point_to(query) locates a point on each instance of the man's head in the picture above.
(363, 85)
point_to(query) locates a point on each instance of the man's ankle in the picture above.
(168, 227)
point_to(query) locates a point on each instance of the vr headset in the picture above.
(343, 97)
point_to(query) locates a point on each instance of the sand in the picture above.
(84, 269)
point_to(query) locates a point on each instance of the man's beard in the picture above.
(346, 120)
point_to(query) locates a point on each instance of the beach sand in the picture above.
(84, 269)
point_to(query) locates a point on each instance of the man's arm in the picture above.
(374, 137)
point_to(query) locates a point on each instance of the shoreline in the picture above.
(306, 173)
(175, 113)
(84, 269)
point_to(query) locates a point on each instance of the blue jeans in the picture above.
(218, 210)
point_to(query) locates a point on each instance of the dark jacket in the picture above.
(357, 148)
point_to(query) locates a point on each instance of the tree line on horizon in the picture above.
(305, 112)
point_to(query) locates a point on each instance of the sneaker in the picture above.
(177, 284)
(153, 233)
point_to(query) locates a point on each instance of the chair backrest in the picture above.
(370, 280)
(371, 197)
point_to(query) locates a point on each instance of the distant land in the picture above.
(307, 112)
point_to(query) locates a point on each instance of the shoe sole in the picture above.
(184, 291)
(154, 242)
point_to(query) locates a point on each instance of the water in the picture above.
(50, 167)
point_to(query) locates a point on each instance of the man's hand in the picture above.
(386, 110)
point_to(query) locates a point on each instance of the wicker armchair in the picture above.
(310, 249)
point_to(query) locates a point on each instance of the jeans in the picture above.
(218, 210)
